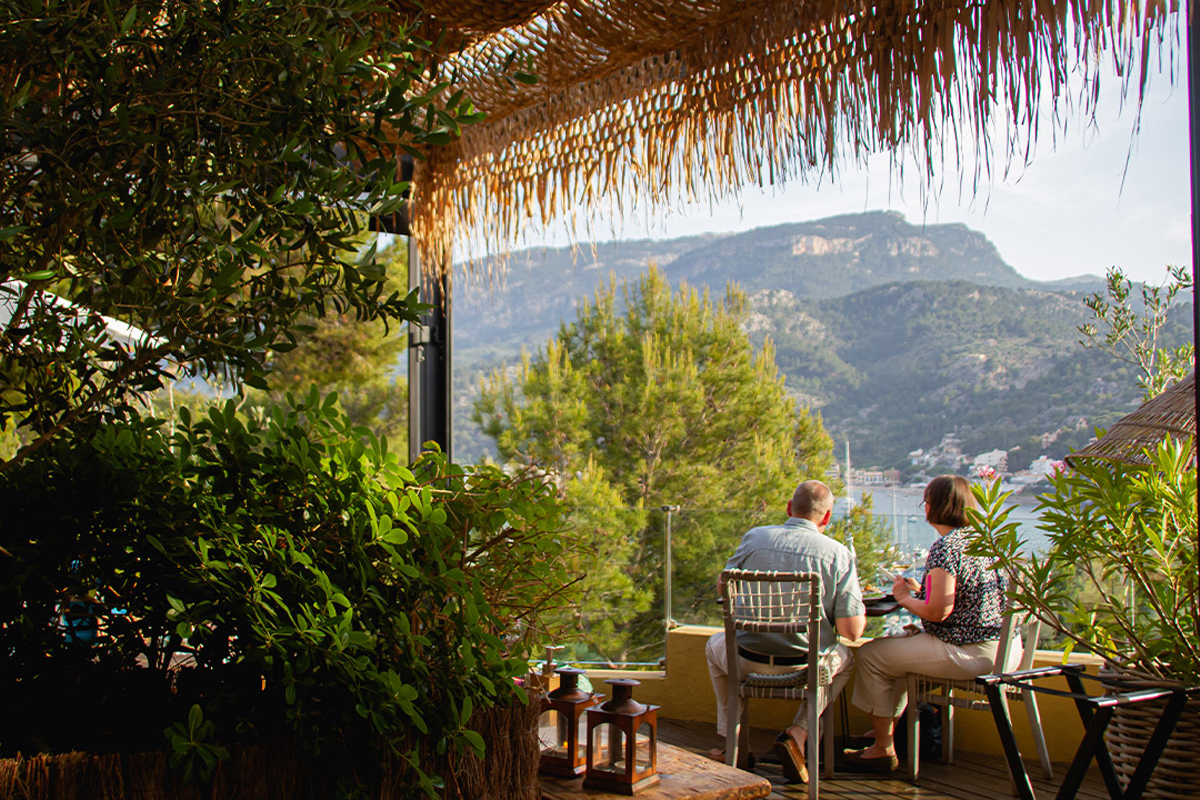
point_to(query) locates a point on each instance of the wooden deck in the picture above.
(972, 777)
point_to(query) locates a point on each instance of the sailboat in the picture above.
(847, 503)
(843, 506)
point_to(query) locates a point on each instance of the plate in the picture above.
(881, 605)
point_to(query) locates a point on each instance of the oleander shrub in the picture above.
(1119, 578)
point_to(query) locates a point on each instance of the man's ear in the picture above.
(825, 520)
(789, 508)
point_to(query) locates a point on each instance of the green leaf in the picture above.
(195, 718)
(475, 740)
(228, 276)
(256, 381)
(395, 536)
(130, 18)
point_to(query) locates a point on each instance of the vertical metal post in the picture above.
(667, 621)
(1193, 72)
(895, 522)
(429, 377)
(430, 406)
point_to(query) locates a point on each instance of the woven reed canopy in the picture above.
(1171, 413)
(655, 102)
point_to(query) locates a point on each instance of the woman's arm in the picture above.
(939, 595)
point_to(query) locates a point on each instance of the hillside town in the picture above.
(948, 455)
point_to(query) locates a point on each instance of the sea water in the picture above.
(903, 511)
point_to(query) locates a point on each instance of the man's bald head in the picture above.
(812, 501)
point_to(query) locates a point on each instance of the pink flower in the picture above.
(987, 473)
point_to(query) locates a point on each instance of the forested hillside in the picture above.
(898, 334)
(827, 258)
(896, 367)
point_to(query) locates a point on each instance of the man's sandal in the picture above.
(791, 759)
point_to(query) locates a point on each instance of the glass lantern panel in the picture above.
(552, 733)
(608, 746)
(644, 748)
(581, 736)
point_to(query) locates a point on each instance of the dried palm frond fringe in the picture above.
(282, 771)
(1171, 413)
(655, 101)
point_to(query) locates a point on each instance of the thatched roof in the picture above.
(1170, 413)
(657, 101)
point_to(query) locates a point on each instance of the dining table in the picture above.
(880, 605)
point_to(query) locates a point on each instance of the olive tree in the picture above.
(198, 171)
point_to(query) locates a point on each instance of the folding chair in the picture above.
(774, 602)
(950, 694)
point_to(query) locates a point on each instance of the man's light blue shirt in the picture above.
(798, 546)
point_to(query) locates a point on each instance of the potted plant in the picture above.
(1118, 579)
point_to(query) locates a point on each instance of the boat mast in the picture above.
(849, 490)
(849, 505)
(895, 524)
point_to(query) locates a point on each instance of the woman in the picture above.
(960, 604)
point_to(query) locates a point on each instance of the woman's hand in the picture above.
(904, 587)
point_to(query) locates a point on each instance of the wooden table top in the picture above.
(683, 774)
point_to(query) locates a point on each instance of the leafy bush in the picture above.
(1120, 576)
(290, 578)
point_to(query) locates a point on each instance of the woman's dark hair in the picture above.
(949, 497)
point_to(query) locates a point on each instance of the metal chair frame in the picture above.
(1095, 712)
(949, 694)
(774, 602)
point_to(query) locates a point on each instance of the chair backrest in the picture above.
(772, 602)
(1018, 625)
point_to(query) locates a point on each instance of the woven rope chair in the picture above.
(950, 694)
(774, 602)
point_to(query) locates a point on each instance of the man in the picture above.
(798, 545)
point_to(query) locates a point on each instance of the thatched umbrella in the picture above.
(653, 102)
(648, 103)
(1170, 413)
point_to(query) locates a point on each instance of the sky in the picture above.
(1073, 210)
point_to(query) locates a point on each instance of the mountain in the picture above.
(839, 255)
(826, 258)
(894, 368)
(899, 334)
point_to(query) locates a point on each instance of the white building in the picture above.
(993, 459)
(1044, 466)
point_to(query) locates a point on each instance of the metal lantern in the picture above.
(561, 728)
(544, 678)
(622, 742)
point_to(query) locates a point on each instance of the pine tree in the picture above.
(655, 398)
